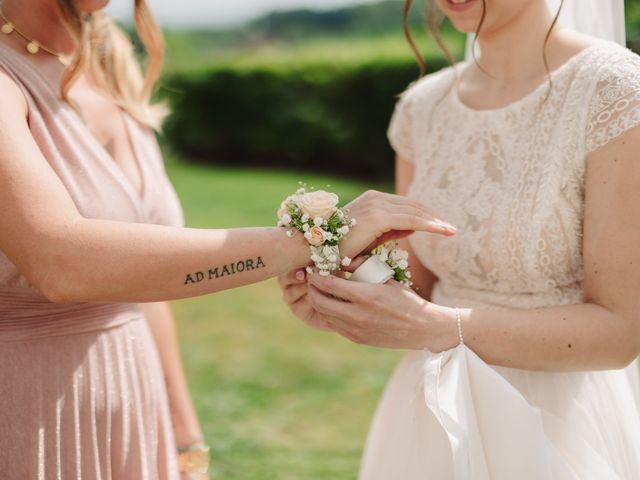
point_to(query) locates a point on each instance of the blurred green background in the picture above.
(256, 109)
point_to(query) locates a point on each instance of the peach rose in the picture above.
(319, 204)
(316, 236)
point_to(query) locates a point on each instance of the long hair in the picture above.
(434, 19)
(105, 51)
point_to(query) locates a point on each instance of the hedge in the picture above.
(321, 118)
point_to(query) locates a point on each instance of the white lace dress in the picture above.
(512, 180)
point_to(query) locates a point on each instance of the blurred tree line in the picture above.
(301, 89)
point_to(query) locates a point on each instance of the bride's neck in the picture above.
(515, 51)
(40, 20)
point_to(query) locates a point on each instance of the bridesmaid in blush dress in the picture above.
(92, 242)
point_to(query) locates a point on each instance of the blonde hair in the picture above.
(105, 51)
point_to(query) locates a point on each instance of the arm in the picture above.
(70, 258)
(601, 333)
(184, 418)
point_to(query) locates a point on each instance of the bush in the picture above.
(318, 117)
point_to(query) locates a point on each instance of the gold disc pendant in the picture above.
(7, 28)
(33, 47)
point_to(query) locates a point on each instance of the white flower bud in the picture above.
(286, 219)
(353, 222)
(318, 221)
(289, 233)
(307, 235)
(332, 258)
(305, 218)
(324, 273)
(403, 264)
(305, 227)
(309, 270)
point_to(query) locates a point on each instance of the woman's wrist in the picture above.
(194, 458)
(443, 327)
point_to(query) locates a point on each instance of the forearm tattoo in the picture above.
(225, 270)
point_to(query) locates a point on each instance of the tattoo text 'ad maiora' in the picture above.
(226, 270)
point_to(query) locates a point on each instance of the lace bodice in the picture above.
(512, 179)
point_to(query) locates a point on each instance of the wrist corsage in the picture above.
(317, 216)
(387, 261)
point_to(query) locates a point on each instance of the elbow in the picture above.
(57, 283)
(628, 353)
(628, 349)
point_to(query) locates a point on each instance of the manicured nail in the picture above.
(300, 275)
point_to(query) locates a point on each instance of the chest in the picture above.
(108, 125)
(512, 184)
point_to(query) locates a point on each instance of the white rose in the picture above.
(403, 264)
(343, 230)
(318, 204)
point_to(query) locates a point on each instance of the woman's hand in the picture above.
(382, 217)
(389, 316)
(295, 294)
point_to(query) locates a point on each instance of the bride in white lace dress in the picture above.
(541, 175)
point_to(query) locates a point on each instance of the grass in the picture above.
(276, 399)
(183, 57)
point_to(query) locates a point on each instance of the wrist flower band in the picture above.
(397, 259)
(386, 262)
(317, 216)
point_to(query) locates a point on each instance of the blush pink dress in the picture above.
(82, 394)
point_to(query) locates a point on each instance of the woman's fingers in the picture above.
(295, 277)
(355, 263)
(404, 221)
(341, 288)
(294, 293)
(372, 200)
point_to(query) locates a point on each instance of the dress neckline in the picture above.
(110, 162)
(535, 92)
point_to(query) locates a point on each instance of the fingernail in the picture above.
(300, 275)
(447, 226)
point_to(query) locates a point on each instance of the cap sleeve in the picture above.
(615, 105)
(399, 133)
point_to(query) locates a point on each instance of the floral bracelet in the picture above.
(317, 216)
(397, 259)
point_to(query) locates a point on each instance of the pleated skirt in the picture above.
(88, 406)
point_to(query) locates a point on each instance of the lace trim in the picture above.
(615, 105)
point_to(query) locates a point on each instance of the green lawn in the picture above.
(277, 400)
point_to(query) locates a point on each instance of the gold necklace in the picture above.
(33, 46)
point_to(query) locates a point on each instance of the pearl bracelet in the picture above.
(459, 322)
